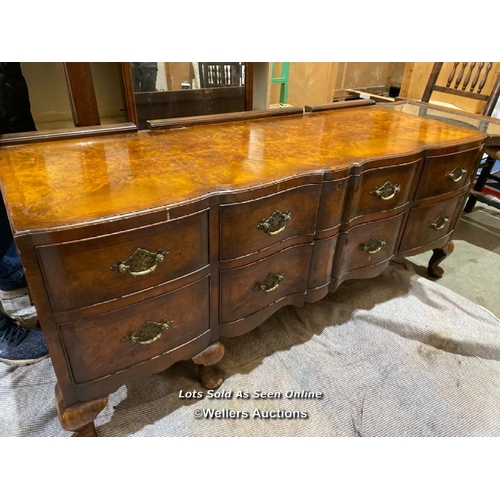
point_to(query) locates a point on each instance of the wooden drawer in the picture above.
(251, 226)
(105, 344)
(426, 224)
(250, 288)
(371, 243)
(85, 272)
(383, 189)
(442, 174)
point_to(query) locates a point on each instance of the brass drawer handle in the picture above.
(456, 174)
(149, 332)
(270, 283)
(141, 262)
(373, 246)
(276, 223)
(439, 223)
(387, 191)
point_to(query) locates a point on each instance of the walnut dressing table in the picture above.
(142, 249)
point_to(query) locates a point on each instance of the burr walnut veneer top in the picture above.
(55, 184)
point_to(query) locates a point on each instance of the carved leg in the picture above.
(210, 376)
(79, 418)
(437, 257)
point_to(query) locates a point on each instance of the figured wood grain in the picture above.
(96, 347)
(366, 201)
(418, 230)
(89, 261)
(76, 181)
(386, 230)
(238, 296)
(435, 178)
(239, 232)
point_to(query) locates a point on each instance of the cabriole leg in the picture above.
(439, 254)
(210, 376)
(79, 418)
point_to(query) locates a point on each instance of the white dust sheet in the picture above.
(396, 355)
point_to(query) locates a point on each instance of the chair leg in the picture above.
(480, 183)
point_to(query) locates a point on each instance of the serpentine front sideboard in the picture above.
(142, 249)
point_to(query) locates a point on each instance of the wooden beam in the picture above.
(248, 86)
(82, 94)
(407, 76)
(128, 90)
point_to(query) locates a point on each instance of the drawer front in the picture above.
(371, 243)
(442, 174)
(120, 339)
(320, 272)
(87, 272)
(426, 224)
(383, 189)
(250, 288)
(331, 204)
(251, 226)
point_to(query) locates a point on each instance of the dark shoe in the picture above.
(20, 346)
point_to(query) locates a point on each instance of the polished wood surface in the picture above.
(103, 345)
(243, 224)
(358, 252)
(445, 174)
(427, 223)
(240, 296)
(184, 241)
(76, 181)
(371, 197)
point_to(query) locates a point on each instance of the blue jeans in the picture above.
(11, 270)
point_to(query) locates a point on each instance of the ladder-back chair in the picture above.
(221, 74)
(470, 81)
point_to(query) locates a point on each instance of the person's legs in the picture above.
(11, 270)
(18, 345)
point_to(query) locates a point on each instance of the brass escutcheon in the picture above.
(387, 191)
(439, 223)
(373, 246)
(149, 332)
(276, 223)
(270, 282)
(456, 174)
(141, 262)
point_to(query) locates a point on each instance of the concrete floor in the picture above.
(473, 269)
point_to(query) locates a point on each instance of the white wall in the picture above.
(50, 103)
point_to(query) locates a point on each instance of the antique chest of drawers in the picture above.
(142, 249)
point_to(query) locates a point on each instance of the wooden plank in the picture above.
(221, 118)
(59, 134)
(128, 91)
(82, 94)
(338, 105)
(368, 95)
(248, 86)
